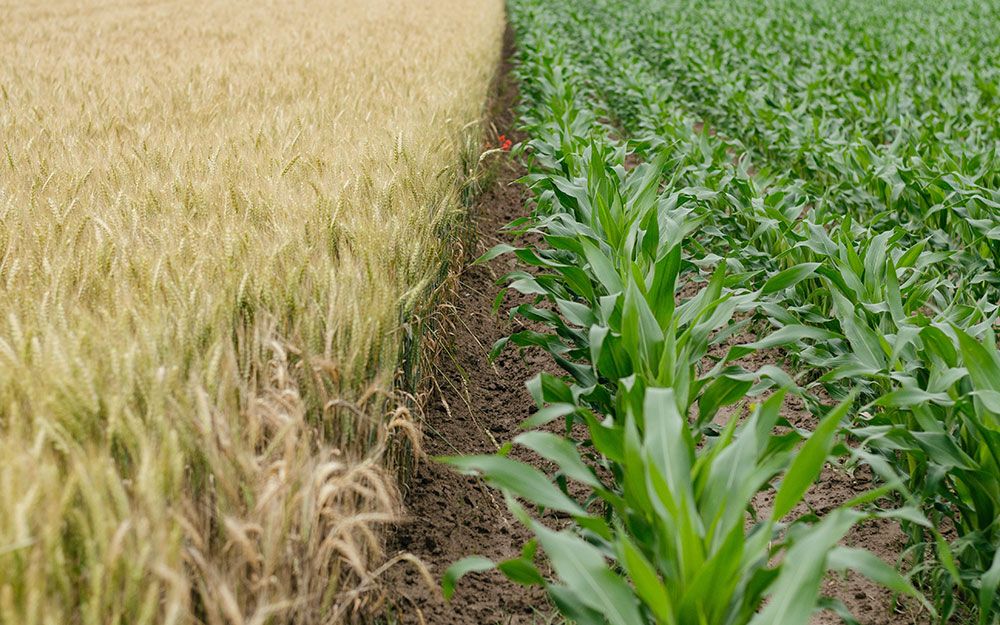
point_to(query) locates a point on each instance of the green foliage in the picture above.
(820, 175)
(665, 540)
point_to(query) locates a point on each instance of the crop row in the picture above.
(837, 225)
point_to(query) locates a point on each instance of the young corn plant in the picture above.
(926, 378)
(667, 532)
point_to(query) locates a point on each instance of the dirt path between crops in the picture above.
(478, 407)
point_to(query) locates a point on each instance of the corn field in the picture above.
(739, 206)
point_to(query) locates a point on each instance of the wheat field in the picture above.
(216, 219)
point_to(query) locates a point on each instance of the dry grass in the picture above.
(215, 218)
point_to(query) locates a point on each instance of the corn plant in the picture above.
(666, 541)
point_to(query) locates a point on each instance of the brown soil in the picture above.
(478, 406)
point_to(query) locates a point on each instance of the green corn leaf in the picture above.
(737, 471)
(990, 399)
(640, 331)
(909, 397)
(548, 414)
(875, 257)
(911, 255)
(609, 439)
(789, 277)
(946, 557)
(894, 298)
(864, 341)
(988, 585)
(576, 313)
(528, 286)
(871, 566)
(584, 571)
(458, 570)
(802, 569)
(782, 337)
(982, 362)
(942, 449)
(809, 461)
(668, 440)
(518, 478)
(573, 607)
(939, 343)
(723, 391)
(546, 388)
(663, 286)
(578, 282)
(602, 267)
(714, 580)
(494, 252)
(498, 348)
(780, 377)
(521, 571)
(837, 607)
(562, 452)
(646, 581)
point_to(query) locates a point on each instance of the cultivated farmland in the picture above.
(217, 220)
(763, 251)
(733, 361)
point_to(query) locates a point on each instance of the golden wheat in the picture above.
(215, 219)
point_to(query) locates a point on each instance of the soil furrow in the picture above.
(477, 406)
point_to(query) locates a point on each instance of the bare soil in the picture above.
(478, 406)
